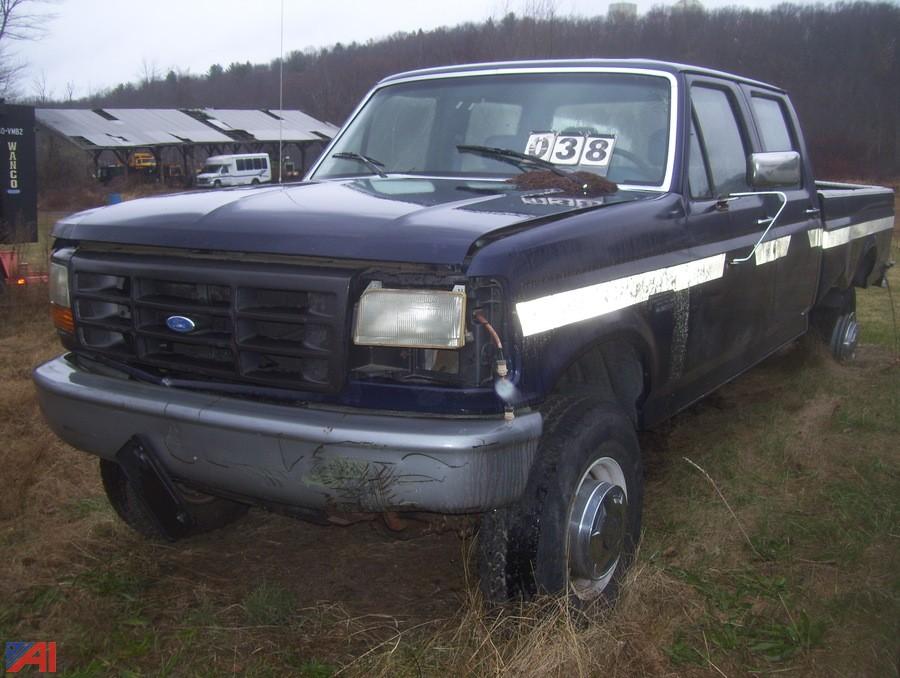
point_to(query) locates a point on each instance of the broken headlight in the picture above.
(410, 318)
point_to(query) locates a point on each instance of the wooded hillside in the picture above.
(839, 62)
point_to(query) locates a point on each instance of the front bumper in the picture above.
(295, 456)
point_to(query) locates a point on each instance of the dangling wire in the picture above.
(894, 318)
(281, 101)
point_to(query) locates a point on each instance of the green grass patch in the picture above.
(30, 604)
(269, 605)
(746, 614)
(93, 669)
(86, 506)
(873, 308)
(310, 668)
(202, 613)
(113, 582)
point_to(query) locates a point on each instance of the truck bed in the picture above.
(857, 226)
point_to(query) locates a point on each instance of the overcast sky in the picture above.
(96, 44)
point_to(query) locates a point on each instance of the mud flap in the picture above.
(154, 488)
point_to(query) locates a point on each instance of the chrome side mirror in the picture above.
(774, 170)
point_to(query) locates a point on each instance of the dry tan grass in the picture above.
(545, 637)
(28, 447)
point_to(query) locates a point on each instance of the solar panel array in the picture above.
(301, 120)
(112, 128)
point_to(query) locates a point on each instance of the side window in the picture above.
(697, 174)
(772, 123)
(240, 165)
(257, 163)
(725, 149)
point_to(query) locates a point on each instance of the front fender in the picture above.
(547, 356)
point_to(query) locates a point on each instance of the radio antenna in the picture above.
(281, 101)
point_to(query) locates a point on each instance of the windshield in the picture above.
(616, 125)
(211, 169)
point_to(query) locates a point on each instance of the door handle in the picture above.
(763, 222)
(812, 211)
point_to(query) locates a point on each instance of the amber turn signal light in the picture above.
(21, 281)
(62, 318)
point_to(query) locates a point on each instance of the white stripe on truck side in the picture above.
(583, 303)
(772, 250)
(841, 236)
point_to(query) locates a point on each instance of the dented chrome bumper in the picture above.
(296, 456)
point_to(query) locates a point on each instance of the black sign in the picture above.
(18, 175)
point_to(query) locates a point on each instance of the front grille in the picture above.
(269, 324)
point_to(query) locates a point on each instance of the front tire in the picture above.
(207, 512)
(577, 526)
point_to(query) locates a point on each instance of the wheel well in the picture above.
(613, 371)
(865, 268)
(826, 312)
(834, 298)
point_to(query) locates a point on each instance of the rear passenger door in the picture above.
(729, 318)
(798, 256)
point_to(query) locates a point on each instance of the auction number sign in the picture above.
(566, 149)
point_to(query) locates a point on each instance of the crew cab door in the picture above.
(729, 326)
(798, 254)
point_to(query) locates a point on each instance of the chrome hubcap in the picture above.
(597, 528)
(850, 337)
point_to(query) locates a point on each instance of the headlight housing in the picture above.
(59, 284)
(60, 301)
(411, 318)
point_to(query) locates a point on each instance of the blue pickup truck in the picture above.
(493, 277)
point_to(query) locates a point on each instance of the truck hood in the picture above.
(402, 219)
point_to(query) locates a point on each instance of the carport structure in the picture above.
(161, 131)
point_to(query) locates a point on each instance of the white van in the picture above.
(235, 170)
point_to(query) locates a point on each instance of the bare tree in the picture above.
(19, 20)
(149, 72)
(42, 91)
(10, 74)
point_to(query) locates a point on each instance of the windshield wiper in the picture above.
(521, 160)
(375, 165)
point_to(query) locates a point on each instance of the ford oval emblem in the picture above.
(179, 323)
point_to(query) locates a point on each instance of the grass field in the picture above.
(771, 545)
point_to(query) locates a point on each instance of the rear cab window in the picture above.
(774, 131)
(775, 125)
